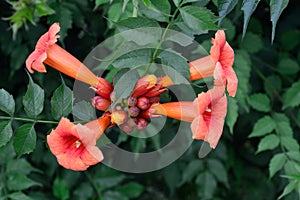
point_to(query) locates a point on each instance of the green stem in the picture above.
(29, 120)
(90, 179)
(162, 39)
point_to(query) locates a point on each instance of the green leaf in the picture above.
(125, 85)
(84, 111)
(248, 8)
(260, 102)
(176, 61)
(110, 181)
(172, 176)
(159, 6)
(263, 126)
(218, 170)
(290, 143)
(289, 39)
(61, 102)
(252, 43)
(7, 102)
(131, 190)
(20, 166)
(198, 18)
(136, 22)
(288, 66)
(60, 189)
(292, 96)
(19, 181)
(42, 9)
(100, 2)
(269, 142)
(18, 196)
(191, 171)
(17, 58)
(276, 8)
(224, 7)
(272, 84)
(5, 132)
(133, 59)
(232, 113)
(25, 139)
(155, 9)
(207, 185)
(63, 15)
(33, 100)
(277, 162)
(283, 126)
(138, 144)
(113, 195)
(289, 188)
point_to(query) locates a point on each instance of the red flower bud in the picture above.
(100, 103)
(103, 88)
(144, 84)
(112, 96)
(142, 124)
(131, 101)
(143, 103)
(134, 111)
(119, 117)
(126, 128)
(154, 99)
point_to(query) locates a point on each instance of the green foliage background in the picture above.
(258, 156)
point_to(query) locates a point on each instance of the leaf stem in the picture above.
(29, 120)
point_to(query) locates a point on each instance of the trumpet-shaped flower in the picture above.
(75, 145)
(48, 52)
(220, 52)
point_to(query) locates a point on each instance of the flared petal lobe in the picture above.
(75, 145)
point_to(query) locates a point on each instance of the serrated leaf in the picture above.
(133, 59)
(125, 85)
(20, 166)
(232, 113)
(276, 8)
(175, 61)
(207, 184)
(283, 126)
(263, 126)
(269, 142)
(192, 169)
(277, 162)
(224, 7)
(18, 181)
(292, 96)
(18, 196)
(136, 22)
(260, 102)
(131, 190)
(155, 9)
(25, 139)
(5, 132)
(84, 111)
(218, 170)
(288, 188)
(248, 8)
(290, 143)
(198, 18)
(33, 100)
(288, 66)
(61, 102)
(7, 102)
(42, 9)
(60, 189)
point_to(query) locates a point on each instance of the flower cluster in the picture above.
(75, 145)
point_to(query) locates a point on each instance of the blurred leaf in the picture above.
(20, 182)
(277, 162)
(289, 188)
(207, 185)
(33, 100)
(248, 8)
(7, 153)
(191, 171)
(42, 9)
(130, 190)
(268, 142)
(110, 181)
(19, 196)
(83, 191)
(198, 18)
(7, 102)
(290, 143)
(260, 102)
(125, 85)
(84, 111)
(136, 22)
(63, 15)
(288, 66)
(218, 169)
(291, 97)
(289, 39)
(225, 7)
(100, 2)
(138, 144)
(5, 132)
(263, 126)
(176, 61)
(61, 102)
(232, 113)
(60, 189)
(113, 195)
(20, 166)
(25, 139)
(252, 43)
(172, 176)
(276, 8)
(272, 85)
(17, 58)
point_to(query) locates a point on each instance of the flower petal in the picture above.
(71, 162)
(92, 155)
(232, 81)
(56, 143)
(199, 128)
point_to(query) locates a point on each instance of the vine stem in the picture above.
(29, 120)
(92, 183)
(162, 39)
